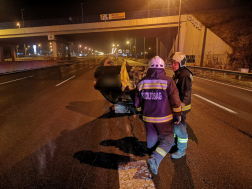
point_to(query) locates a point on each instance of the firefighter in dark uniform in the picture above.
(183, 78)
(157, 99)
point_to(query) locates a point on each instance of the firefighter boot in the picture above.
(153, 165)
(178, 154)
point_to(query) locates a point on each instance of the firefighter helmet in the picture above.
(179, 57)
(156, 62)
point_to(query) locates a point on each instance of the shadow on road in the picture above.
(101, 159)
(191, 134)
(129, 145)
(181, 168)
(53, 166)
(81, 107)
(182, 177)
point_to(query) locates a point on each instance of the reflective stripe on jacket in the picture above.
(157, 97)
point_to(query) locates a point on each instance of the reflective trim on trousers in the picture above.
(161, 151)
(181, 140)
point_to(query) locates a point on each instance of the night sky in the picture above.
(10, 10)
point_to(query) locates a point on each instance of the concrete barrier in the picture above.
(12, 67)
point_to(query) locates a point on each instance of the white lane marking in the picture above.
(224, 84)
(15, 80)
(64, 81)
(91, 67)
(216, 104)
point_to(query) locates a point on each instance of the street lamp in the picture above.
(82, 12)
(179, 25)
(78, 49)
(39, 45)
(18, 24)
(22, 16)
(85, 50)
(129, 45)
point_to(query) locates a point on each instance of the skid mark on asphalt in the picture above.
(135, 175)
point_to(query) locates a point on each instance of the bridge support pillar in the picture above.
(1, 54)
(55, 49)
(63, 48)
(69, 50)
(25, 51)
(13, 53)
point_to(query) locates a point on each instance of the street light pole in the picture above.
(179, 25)
(82, 12)
(22, 16)
(148, 8)
(168, 6)
(78, 50)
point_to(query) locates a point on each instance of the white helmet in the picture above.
(156, 62)
(179, 57)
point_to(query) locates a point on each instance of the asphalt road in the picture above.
(56, 131)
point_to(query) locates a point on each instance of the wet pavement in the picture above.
(67, 137)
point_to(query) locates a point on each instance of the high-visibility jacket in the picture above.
(183, 78)
(157, 97)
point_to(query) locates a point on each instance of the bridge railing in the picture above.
(96, 18)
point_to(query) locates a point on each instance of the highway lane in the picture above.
(231, 97)
(23, 86)
(67, 137)
(38, 144)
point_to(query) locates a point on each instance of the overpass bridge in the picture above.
(60, 33)
(195, 39)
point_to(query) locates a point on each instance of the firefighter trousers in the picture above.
(181, 133)
(162, 132)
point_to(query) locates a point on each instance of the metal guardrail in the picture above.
(213, 71)
(96, 18)
(225, 72)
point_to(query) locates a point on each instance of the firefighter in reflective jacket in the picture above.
(156, 99)
(183, 78)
